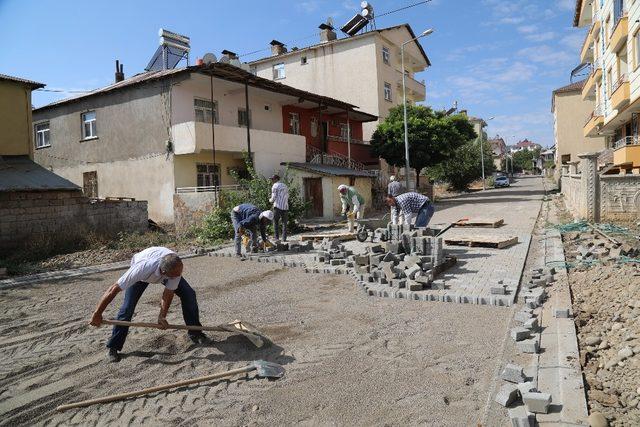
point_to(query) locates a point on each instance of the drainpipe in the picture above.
(213, 128)
(348, 138)
(246, 102)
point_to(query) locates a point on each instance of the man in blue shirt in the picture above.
(248, 218)
(411, 204)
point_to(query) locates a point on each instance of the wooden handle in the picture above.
(157, 326)
(121, 396)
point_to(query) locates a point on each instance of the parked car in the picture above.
(501, 181)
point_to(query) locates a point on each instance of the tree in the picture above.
(523, 159)
(433, 137)
(465, 166)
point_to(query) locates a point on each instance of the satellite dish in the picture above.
(209, 58)
(235, 62)
(366, 13)
(365, 5)
(224, 59)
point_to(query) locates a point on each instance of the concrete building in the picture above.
(568, 110)
(16, 138)
(364, 70)
(612, 47)
(151, 135)
(525, 145)
(499, 149)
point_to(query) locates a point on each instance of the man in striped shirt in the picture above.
(411, 204)
(395, 189)
(280, 200)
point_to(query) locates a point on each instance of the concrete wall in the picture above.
(620, 197)
(16, 130)
(190, 208)
(31, 218)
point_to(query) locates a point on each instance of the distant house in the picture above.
(499, 149)
(525, 145)
(175, 131)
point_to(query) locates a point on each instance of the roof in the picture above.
(570, 88)
(328, 170)
(226, 72)
(576, 14)
(526, 143)
(33, 85)
(344, 39)
(20, 173)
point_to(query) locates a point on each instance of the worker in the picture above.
(280, 200)
(411, 204)
(152, 265)
(351, 199)
(248, 218)
(395, 188)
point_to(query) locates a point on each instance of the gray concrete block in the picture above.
(513, 373)
(413, 285)
(519, 334)
(390, 257)
(537, 402)
(498, 290)
(520, 417)
(362, 260)
(438, 284)
(526, 387)
(507, 394)
(561, 313)
(530, 346)
(398, 283)
(412, 271)
(531, 324)
(376, 249)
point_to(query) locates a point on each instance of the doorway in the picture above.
(313, 195)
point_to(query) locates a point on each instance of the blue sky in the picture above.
(494, 57)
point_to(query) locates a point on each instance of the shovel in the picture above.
(237, 326)
(263, 369)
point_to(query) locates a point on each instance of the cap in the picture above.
(392, 178)
(342, 188)
(267, 214)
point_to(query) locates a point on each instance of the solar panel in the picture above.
(354, 25)
(173, 49)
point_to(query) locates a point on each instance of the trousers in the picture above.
(278, 215)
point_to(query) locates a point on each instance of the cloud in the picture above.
(547, 55)
(541, 37)
(568, 5)
(527, 29)
(308, 6)
(573, 40)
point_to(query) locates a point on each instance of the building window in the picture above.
(89, 125)
(90, 184)
(609, 81)
(42, 135)
(207, 175)
(387, 91)
(278, 71)
(314, 127)
(294, 123)
(607, 28)
(636, 49)
(243, 120)
(204, 111)
(303, 60)
(385, 55)
(344, 135)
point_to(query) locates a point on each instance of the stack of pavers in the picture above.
(519, 393)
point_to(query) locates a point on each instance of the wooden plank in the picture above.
(498, 242)
(480, 222)
(331, 236)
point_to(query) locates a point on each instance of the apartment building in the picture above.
(364, 69)
(184, 129)
(612, 47)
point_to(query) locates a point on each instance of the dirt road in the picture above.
(350, 360)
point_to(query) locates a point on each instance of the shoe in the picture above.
(113, 355)
(199, 339)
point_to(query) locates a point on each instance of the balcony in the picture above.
(594, 121)
(589, 88)
(620, 32)
(416, 90)
(627, 151)
(620, 92)
(586, 53)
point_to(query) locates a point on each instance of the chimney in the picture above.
(326, 33)
(231, 55)
(119, 71)
(277, 48)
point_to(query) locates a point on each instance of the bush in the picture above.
(256, 189)
(464, 166)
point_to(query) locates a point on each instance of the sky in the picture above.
(495, 58)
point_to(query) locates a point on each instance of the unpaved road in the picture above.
(350, 359)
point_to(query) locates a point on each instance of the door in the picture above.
(313, 195)
(90, 184)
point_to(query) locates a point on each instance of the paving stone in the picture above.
(531, 346)
(537, 402)
(561, 313)
(398, 283)
(362, 260)
(376, 249)
(498, 290)
(413, 285)
(531, 324)
(411, 271)
(507, 394)
(513, 373)
(520, 417)
(526, 387)
(438, 284)
(519, 334)
(390, 257)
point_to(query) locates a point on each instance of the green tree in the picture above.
(433, 137)
(465, 166)
(523, 159)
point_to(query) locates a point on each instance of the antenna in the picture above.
(173, 48)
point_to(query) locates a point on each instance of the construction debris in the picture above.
(498, 242)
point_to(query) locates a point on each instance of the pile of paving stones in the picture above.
(592, 247)
(520, 394)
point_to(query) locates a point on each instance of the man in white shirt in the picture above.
(152, 265)
(280, 200)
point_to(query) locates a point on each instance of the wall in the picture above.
(185, 167)
(190, 208)
(16, 137)
(32, 218)
(305, 124)
(620, 197)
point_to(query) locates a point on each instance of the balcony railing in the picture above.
(597, 112)
(317, 156)
(627, 140)
(340, 138)
(208, 189)
(621, 80)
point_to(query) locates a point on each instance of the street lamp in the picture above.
(482, 152)
(404, 104)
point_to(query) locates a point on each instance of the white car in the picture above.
(501, 181)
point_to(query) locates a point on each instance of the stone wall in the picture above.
(190, 208)
(620, 197)
(29, 217)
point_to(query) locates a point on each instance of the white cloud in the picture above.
(541, 37)
(527, 29)
(309, 6)
(548, 55)
(569, 5)
(573, 40)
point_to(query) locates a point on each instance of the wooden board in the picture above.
(498, 242)
(330, 236)
(480, 222)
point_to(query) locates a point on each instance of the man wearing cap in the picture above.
(412, 204)
(248, 218)
(280, 200)
(395, 189)
(351, 198)
(152, 265)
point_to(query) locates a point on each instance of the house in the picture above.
(524, 145)
(36, 205)
(499, 149)
(176, 131)
(611, 47)
(569, 110)
(364, 69)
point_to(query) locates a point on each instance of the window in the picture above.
(636, 49)
(609, 81)
(303, 60)
(207, 175)
(344, 135)
(294, 123)
(203, 110)
(385, 55)
(387, 91)
(314, 127)
(243, 120)
(90, 184)
(89, 125)
(42, 135)
(607, 29)
(278, 71)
